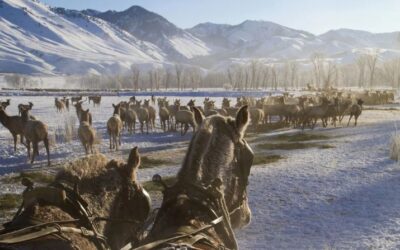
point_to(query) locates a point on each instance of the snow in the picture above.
(189, 46)
(35, 39)
(344, 197)
(340, 198)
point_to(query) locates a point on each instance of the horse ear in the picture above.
(87, 110)
(113, 105)
(133, 161)
(134, 158)
(198, 116)
(242, 119)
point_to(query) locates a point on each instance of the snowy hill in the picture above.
(35, 39)
(261, 39)
(38, 39)
(178, 44)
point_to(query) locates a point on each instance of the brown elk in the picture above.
(152, 113)
(143, 116)
(24, 106)
(5, 104)
(60, 105)
(14, 124)
(79, 109)
(66, 102)
(86, 132)
(96, 99)
(114, 127)
(355, 111)
(164, 117)
(76, 99)
(35, 131)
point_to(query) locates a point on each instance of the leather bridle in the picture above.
(211, 200)
(85, 221)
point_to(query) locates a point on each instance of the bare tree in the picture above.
(168, 77)
(391, 72)
(371, 61)
(293, 69)
(179, 74)
(254, 76)
(194, 77)
(328, 74)
(135, 77)
(317, 60)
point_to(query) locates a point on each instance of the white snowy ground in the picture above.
(342, 197)
(347, 197)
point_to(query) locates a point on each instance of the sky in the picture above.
(315, 16)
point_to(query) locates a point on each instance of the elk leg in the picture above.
(110, 140)
(28, 147)
(15, 142)
(35, 149)
(349, 120)
(46, 145)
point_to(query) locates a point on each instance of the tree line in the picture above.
(368, 70)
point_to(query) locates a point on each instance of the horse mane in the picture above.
(207, 152)
(98, 180)
(87, 169)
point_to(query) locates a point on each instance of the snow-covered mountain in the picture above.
(38, 39)
(261, 39)
(176, 43)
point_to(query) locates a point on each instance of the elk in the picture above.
(164, 117)
(114, 127)
(152, 113)
(355, 111)
(96, 99)
(130, 119)
(86, 132)
(14, 124)
(143, 115)
(35, 131)
(256, 117)
(76, 99)
(185, 118)
(79, 109)
(5, 104)
(66, 102)
(24, 106)
(60, 105)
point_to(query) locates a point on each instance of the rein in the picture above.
(71, 203)
(213, 199)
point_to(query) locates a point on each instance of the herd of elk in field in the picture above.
(303, 111)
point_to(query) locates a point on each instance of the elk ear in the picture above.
(242, 119)
(198, 115)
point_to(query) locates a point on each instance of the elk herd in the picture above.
(303, 111)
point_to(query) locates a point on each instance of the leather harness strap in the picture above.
(24, 234)
(178, 237)
(73, 204)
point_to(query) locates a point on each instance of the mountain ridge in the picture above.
(39, 39)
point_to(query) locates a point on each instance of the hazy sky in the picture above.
(316, 16)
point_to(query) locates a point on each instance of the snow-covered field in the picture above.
(346, 196)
